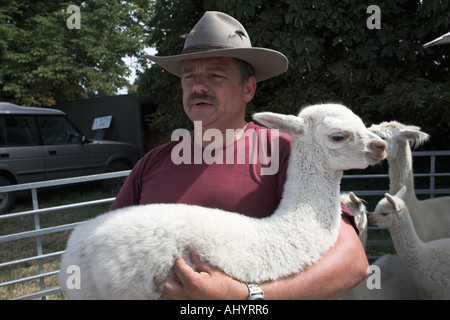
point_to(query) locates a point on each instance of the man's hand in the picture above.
(204, 284)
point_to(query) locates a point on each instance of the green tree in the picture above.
(382, 74)
(43, 61)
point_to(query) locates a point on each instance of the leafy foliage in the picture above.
(382, 74)
(42, 60)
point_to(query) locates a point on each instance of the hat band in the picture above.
(200, 48)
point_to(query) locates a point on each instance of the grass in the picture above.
(23, 248)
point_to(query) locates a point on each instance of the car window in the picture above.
(57, 130)
(17, 130)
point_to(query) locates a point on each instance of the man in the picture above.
(219, 70)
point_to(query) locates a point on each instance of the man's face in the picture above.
(213, 92)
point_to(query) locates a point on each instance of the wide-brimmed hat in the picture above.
(445, 39)
(217, 34)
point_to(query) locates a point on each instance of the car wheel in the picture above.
(114, 185)
(7, 199)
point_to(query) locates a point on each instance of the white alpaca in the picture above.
(431, 217)
(129, 253)
(359, 211)
(429, 262)
(396, 279)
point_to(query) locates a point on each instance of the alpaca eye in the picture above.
(338, 137)
(384, 214)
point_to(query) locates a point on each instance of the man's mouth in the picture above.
(202, 100)
(202, 103)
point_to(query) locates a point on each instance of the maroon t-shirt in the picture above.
(245, 177)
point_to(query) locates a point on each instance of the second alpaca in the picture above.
(429, 262)
(431, 217)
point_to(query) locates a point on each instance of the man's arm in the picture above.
(339, 270)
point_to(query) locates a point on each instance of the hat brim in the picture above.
(267, 63)
(440, 40)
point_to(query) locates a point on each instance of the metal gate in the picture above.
(39, 232)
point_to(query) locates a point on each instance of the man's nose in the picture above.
(199, 85)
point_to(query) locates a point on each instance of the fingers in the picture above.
(199, 264)
(187, 283)
(204, 283)
(183, 270)
(174, 287)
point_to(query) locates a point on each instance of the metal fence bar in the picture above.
(39, 294)
(56, 208)
(432, 171)
(48, 255)
(67, 181)
(38, 233)
(372, 176)
(38, 276)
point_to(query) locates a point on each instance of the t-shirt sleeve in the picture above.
(351, 218)
(129, 193)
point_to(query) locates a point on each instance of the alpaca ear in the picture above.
(414, 136)
(354, 198)
(288, 124)
(402, 192)
(393, 201)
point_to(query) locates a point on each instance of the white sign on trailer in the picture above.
(102, 123)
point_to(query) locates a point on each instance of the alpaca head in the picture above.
(388, 209)
(354, 204)
(396, 134)
(335, 129)
(356, 207)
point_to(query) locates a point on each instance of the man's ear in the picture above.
(249, 89)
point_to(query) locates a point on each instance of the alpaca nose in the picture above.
(379, 145)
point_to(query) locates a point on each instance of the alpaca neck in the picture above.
(311, 186)
(406, 241)
(401, 172)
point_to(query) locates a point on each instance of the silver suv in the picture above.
(39, 144)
